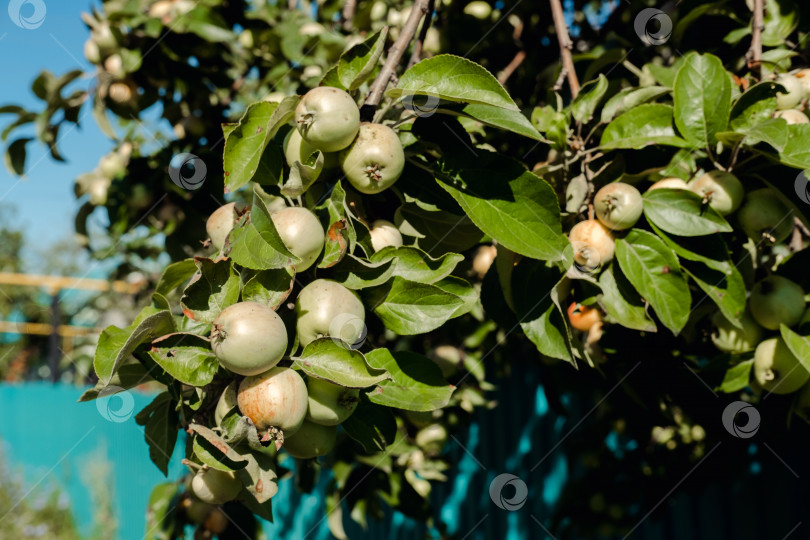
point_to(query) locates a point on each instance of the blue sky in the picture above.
(44, 200)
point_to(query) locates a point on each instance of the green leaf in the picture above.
(644, 125)
(175, 275)
(462, 289)
(302, 176)
(415, 265)
(630, 98)
(334, 361)
(736, 377)
(115, 345)
(331, 78)
(680, 211)
(355, 273)
(498, 117)
(539, 317)
(798, 345)
(373, 426)
(653, 269)
(214, 451)
(186, 357)
(553, 124)
(160, 431)
(245, 144)
(128, 376)
(702, 99)
(212, 289)
(431, 226)
(773, 131)
(622, 302)
(754, 106)
(160, 522)
(781, 18)
(15, 156)
(341, 236)
(727, 291)
(260, 480)
(410, 308)
(797, 149)
(710, 250)
(269, 287)
(416, 381)
(357, 64)
(254, 242)
(520, 210)
(453, 78)
(589, 97)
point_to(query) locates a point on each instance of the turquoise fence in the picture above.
(52, 438)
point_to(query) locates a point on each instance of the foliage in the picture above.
(516, 168)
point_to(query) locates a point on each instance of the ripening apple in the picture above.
(765, 218)
(729, 338)
(776, 300)
(776, 369)
(721, 189)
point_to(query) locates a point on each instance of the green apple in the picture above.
(330, 404)
(311, 441)
(729, 338)
(776, 369)
(618, 206)
(215, 487)
(776, 300)
(327, 308)
(722, 189)
(765, 218)
(248, 338)
(276, 398)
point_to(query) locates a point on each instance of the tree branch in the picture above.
(347, 14)
(395, 54)
(754, 54)
(416, 55)
(565, 46)
(511, 67)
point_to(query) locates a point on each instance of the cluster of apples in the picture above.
(776, 300)
(249, 338)
(797, 92)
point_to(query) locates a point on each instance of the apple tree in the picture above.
(400, 229)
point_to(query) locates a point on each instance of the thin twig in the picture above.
(347, 14)
(416, 55)
(511, 67)
(565, 46)
(395, 54)
(754, 54)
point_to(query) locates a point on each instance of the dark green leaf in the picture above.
(455, 79)
(410, 308)
(680, 211)
(357, 64)
(334, 361)
(373, 426)
(642, 126)
(653, 269)
(416, 381)
(589, 97)
(736, 377)
(269, 287)
(212, 289)
(116, 344)
(629, 98)
(702, 98)
(186, 357)
(622, 302)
